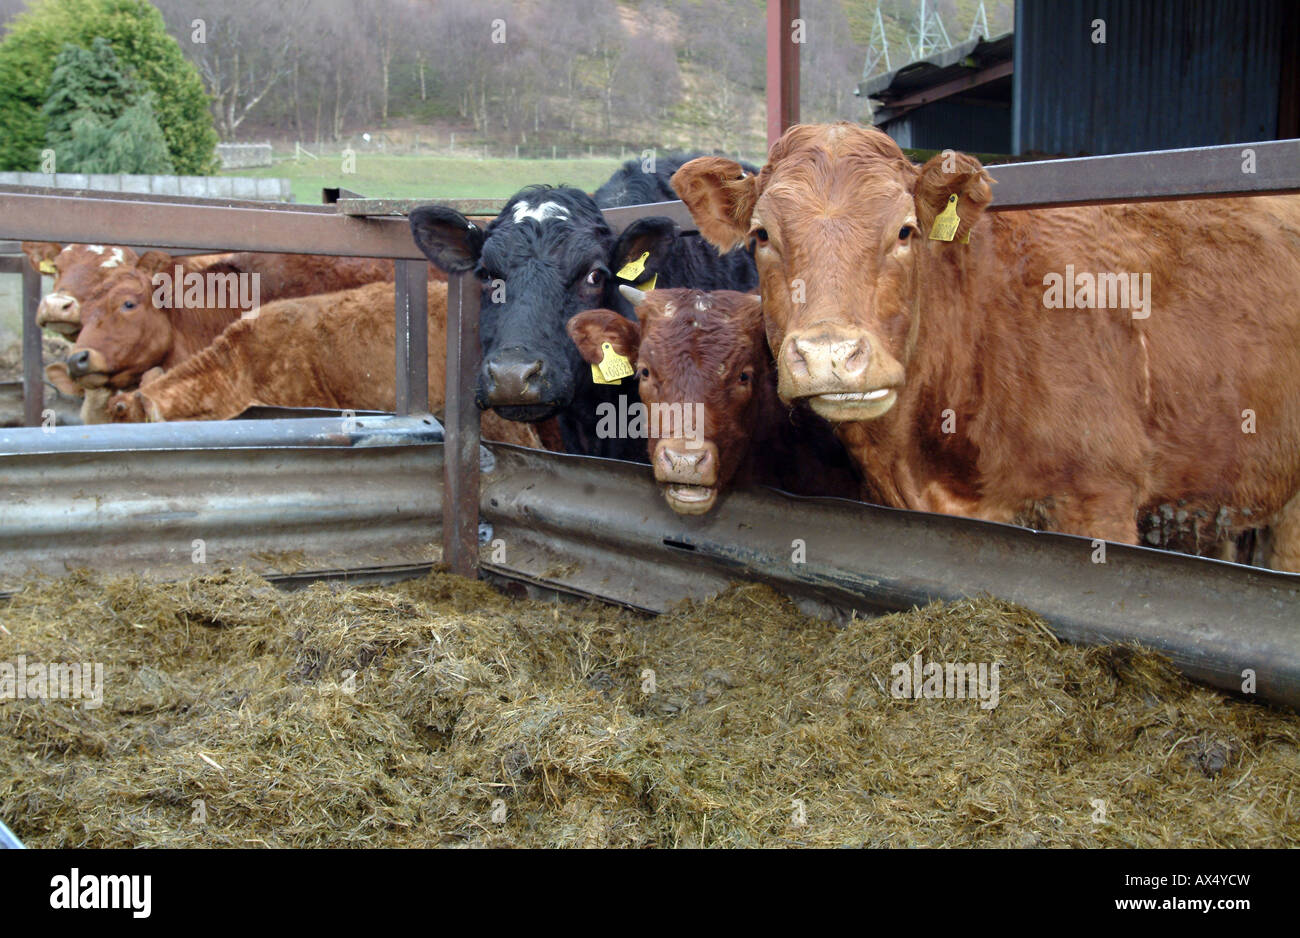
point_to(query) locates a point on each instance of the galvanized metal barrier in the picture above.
(140, 500)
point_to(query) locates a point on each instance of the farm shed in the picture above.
(1169, 74)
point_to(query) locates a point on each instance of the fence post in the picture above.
(33, 358)
(412, 350)
(461, 428)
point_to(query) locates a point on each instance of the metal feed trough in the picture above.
(368, 494)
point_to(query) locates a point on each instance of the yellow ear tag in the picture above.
(633, 269)
(648, 284)
(945, 226)
(47, 267)
(613, 367)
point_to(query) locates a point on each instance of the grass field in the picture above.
(432, 177)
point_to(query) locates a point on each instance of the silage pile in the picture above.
(440, 712)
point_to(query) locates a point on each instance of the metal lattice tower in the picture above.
(877, 48)
(980, 27)
(930, 33)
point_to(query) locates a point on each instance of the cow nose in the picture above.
(60, 303)
(78, 363)
(824, 355)
(677, 463)
(514, 382)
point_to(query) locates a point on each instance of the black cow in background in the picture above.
(548, 256)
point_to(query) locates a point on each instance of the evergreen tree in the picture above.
(99, 119)
(139, 38)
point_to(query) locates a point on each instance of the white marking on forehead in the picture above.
(66, 249)
(540, 213)
(116, 259)
(669, 309)
(95, 248)
(702, 303)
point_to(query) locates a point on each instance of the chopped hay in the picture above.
(440, 712)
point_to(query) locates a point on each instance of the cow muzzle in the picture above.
(513, 381)
(87, 367)
(59, 313)
(689, 474)
(843, 376)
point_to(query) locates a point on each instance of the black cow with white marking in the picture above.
(546, 257)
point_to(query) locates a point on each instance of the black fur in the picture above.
(534, 277)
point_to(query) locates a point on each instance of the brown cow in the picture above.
(129, 327)
(959, 387)
(78, 270)
(335, 350)
(708, 383)
(81, 270)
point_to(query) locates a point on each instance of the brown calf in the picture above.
(704, 354)
(126, 330)
(335, 350)
(957, 384)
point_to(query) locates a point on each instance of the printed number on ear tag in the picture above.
(613, 367)
(47, 267)
(945, 226)
(633, 269)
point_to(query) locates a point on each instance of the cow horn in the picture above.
(635, 297)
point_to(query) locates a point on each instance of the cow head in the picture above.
(840, 222)
(695, 353)
(125, 332)
(79, 271)
(546, 257)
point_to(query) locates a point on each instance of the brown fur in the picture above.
(690, 347)
(335, 350)
(1074, 419)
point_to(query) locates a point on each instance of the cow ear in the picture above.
(41, 252)
(155, 262)
(944, 176)
(447, 238)
(57, 374)
(642, 248)
(720, 194)
(592, 328)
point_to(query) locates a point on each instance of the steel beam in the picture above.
(205, 225)
(1271, 167)
(33, 353)
(412, 337)
(782, 68)
(461, 422)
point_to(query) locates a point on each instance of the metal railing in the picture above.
(375, 228)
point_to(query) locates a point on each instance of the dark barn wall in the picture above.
(954, 123)
(1172, 73)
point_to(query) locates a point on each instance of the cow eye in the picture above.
(128, 304)
(643, 373)
(745, 376)
(595, 278)
(905, 232)
(759, 236)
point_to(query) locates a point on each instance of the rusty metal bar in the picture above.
(412, 337)
(33, 358)
(1270, 167)
(209, 226)
(461, 428)
(782, 68)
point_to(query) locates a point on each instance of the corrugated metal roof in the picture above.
(939, 68)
